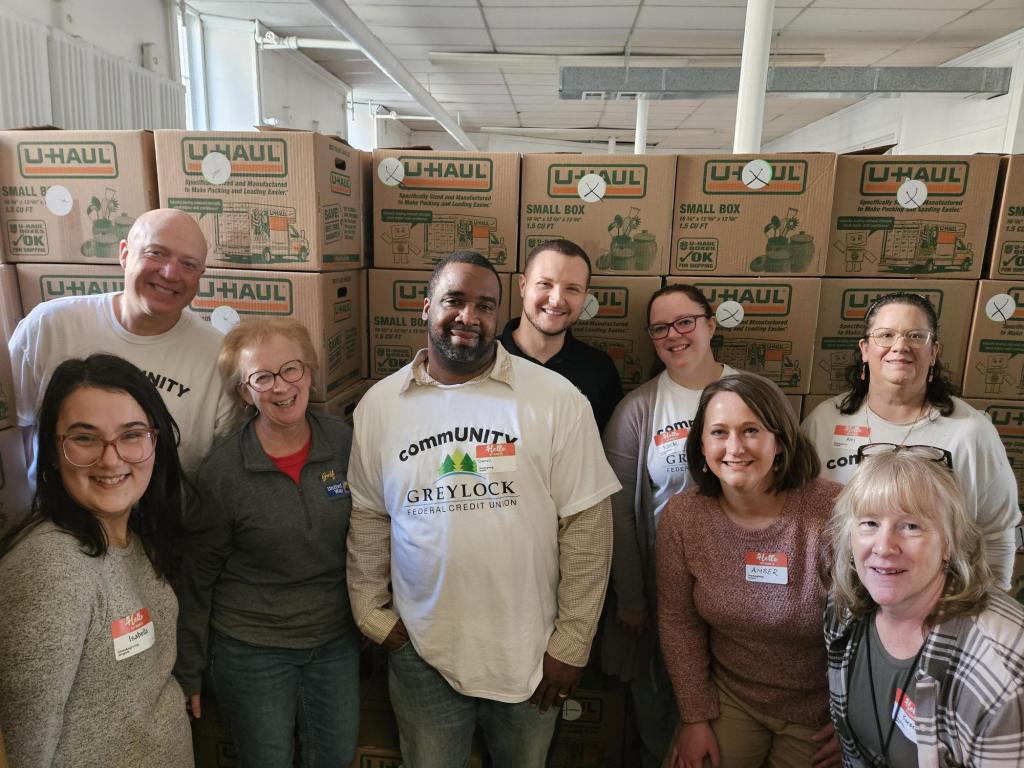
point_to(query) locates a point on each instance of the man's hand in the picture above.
(396, 638)
(694, 746)
(830, 754)
(636, 622)
(558, 684)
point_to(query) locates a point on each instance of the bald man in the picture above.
(149, 324)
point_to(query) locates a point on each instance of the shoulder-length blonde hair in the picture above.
(923, 489)
(252, 332)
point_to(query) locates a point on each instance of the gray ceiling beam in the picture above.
(705, 82)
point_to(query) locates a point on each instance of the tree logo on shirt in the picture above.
(457, 462)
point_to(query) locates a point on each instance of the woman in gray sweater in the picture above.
(87, 640)
(264, 604)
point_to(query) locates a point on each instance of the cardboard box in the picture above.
(995, 356)
(623, 220)
(330, 304)
(8, 407)
(344, 403)
(772, 337)
(397, 328)
(591, 729)
(905, 215)
(428, 204)
(796, 402)
(15, 495)
(751, 214)
(1008, 231)
(619, 328)
(378, 743)
(10, 300)
(811, 402)
(840, 324)
(287, 200)
(1008, 418)
(72, 196)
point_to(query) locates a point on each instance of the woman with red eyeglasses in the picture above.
(644, 443)
(900, 394)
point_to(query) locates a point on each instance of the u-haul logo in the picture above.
(623, 181)
(341, 183)
(474, 174)
(856, 301)
(1017, 294)
(249, 157)
(247, 296)
(58, 286)
(64, 159)
(612, 301)
(944, 179)
(408, 295)
(1007, 419)
(725, 177)
(762, 300)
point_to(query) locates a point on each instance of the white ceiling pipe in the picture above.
(642, 106)
(757, 38)
(611, 145)
(270, 41)
(349, 24)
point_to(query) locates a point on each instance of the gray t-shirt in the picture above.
(890, 675)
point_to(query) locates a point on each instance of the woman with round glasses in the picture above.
(644, 442)
(899, 393)
(264, 604)
(87, 634)
(925, 658)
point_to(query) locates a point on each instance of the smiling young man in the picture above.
(481, 497)
(147, 324)
(554, 290)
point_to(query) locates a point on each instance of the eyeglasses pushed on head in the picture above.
(928, 452)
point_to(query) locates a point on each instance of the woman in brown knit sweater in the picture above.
(742, 564)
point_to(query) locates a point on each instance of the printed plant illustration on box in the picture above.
(782, 252)
(627, 251)
(108, 229)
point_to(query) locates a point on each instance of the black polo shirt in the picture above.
(590, 370)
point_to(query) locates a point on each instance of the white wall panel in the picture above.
(25, 90)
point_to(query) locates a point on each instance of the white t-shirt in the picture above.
(181, 363)
(475, 478)
(979, 462)
(674, 409)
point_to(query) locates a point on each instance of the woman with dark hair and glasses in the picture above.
(264, 603)
(899, 393)
(925, 658)
(87, 634)
(644, 443)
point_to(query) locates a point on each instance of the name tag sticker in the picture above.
(906, 716)
(335, 490)
(496, 457)
(846, 435)
(671, 441)
(132, 634)
(767, 567)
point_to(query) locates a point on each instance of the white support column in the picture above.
(757, 38)
(640, 141)
(611, 145)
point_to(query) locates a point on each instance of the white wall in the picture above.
(300, 94)
(229, 61)
(119, 27)
(928, 124)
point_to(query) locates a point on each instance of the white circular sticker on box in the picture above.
(729, 314)
(1000, 307)
(757, 174)
(391, 172)
(216, 168)
(59, 201)
(912, 194)
(590, 307)
(571, 710)
(591, 188)
(224, 318)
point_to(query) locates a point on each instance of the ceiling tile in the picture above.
(664, 17)
(849, 20)
(917, 5)
(446, 15)
(919, 56)
(687, 39)
(560, 17)
(560, 39)
(433, 37)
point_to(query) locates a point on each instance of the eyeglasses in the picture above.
(929, 452)
(683, 325)
(886, 337)
(263, 381)
(82, 449)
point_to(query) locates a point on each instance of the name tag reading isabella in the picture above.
(767, 567)
(133, 634)
(496, 457)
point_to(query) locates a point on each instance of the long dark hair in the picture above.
(156, 517)
(938, 392)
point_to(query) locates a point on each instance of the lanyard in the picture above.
(874, 699)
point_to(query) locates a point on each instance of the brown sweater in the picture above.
(762, 641)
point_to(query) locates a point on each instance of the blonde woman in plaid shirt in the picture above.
(926, 658)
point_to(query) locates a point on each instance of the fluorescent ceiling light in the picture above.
(535, 62)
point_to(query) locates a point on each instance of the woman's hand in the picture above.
(636, 622)
(694, 742)
(194, 706)
(830, 754)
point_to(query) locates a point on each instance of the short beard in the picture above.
(458, 358)
(542, 331)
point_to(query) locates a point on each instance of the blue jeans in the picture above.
(264, 692)
(436, 723)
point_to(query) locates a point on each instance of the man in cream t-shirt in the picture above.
(481, 493)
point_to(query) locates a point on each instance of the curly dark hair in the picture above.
(940, 390)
